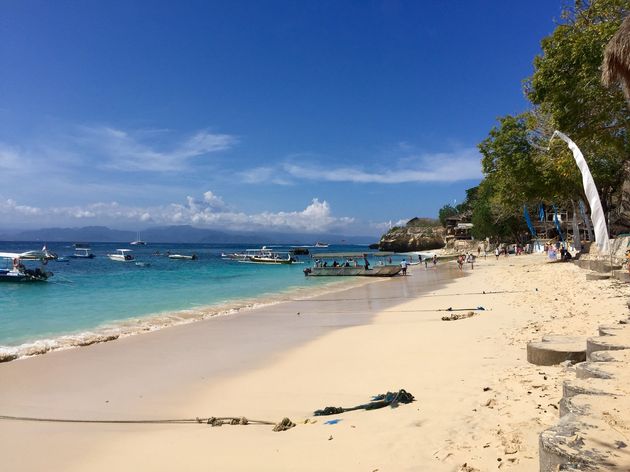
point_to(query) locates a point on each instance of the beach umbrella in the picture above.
(616, 64)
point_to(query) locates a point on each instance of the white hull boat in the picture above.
(121, 255)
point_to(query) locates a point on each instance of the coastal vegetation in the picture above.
(566, 93)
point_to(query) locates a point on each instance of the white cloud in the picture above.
(121, 150)
(10, 206)
(11, 159)
(386, 225)
(264, 174)
(211, 211)
(455, 166)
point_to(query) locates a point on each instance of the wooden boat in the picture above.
(352, 264)
(265, 255)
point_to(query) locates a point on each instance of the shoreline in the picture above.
(137, 325)
(478, 402)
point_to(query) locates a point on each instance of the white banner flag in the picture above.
(597, 212)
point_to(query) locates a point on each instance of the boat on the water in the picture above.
(138, 241)
(82, 252)
(263, 255)
(13, 269)
(319, 244)
(352, 264)
(185, 257)
(121, 255)
(234, 256)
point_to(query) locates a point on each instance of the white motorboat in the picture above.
(121, 255)
(12, 268)
(185, 257)
(82, 253)
(319, 244)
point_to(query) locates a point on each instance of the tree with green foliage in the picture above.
(566, 86)
(447, 211)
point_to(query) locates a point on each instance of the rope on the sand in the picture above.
(392, 399)
(485, 292)
(283, 425)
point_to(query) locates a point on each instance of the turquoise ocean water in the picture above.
(88, 298)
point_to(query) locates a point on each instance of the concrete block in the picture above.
(554, 349)
(608, 343)
(583, 443)
(610, 356)
(597, 276)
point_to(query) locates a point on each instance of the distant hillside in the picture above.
(175, 234)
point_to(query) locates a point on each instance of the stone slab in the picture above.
(597, 276)
(613, 329)
(622, 275)
(584, 443)
(610, 356)
(600, 370)
(616, 342)
(554, 349)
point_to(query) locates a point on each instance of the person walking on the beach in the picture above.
(460, 262)
(496, 252)
(403, 264)
(434, 259)
(471, 260)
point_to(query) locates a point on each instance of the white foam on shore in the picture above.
(133, 326)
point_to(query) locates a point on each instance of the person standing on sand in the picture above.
(403, 264)
(471, 260)
(434, 259)
(496, 252)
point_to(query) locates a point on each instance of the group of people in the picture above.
(466, 258)
(552, 251)
(404, 264)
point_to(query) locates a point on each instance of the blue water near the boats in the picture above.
(87, 294)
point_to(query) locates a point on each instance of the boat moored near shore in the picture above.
(352, 264)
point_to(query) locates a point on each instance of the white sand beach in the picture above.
(479, 404)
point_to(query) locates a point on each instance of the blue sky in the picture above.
(284, 115)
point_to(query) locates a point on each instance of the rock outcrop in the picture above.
(419, 234)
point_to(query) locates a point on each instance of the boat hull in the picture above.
(383, 271)
(263, 260)
(20, 277)
(119, 258)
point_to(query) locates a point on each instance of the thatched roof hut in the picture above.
(616, 65)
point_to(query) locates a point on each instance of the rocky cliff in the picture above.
(419, 234)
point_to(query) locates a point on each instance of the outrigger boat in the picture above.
(352, 264)
(12, 268)
(263, 255)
